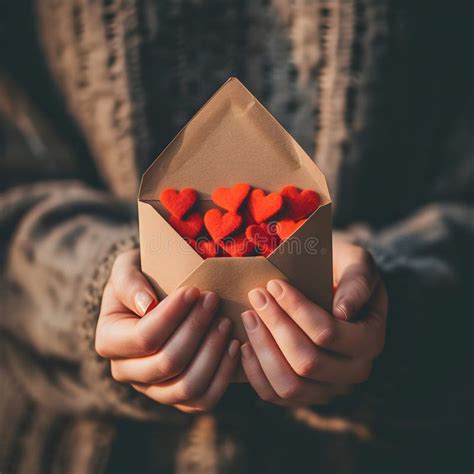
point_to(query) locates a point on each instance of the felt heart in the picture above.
(221, 225)
(299, 204)
(263, 237)
(189, 227)
(205, 248)
(238, 246)
(286, 227)
(264, 206)
(231, 198)
(178, 203)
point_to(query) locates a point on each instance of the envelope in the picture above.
(233, 139)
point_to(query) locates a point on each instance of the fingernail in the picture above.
(275, 288)
(340, 312)
(234, 348)
(249, 319)
(143, 301)
(246, 350)
(257, 298)
(191, 295)
(209, 301)
(224, 326)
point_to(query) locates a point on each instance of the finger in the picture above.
(286, 383)
(131, 287)
(176, 353)
(304, 357)
(122, 334)
(192, 383)
(355, 288)
(316, 394)
(219, 383)
(256, 376)
(352, 339)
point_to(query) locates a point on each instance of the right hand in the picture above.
(172, 352)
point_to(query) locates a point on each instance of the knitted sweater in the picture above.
(378, 92)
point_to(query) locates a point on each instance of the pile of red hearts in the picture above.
(252, 222)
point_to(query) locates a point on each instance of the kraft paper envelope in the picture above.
(233, 139)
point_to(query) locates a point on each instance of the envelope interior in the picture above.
(205, 205)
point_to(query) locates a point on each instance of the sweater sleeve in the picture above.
(421, 379)
(426, 261)
(59, 241)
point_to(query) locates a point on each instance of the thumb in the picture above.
(354, 290)
(130, 285)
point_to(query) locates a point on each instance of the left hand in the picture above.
(300, 354)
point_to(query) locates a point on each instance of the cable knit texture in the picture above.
(90, 91)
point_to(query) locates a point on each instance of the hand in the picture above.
(173, 352)
(298, 353)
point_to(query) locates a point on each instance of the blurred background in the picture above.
(379, 93)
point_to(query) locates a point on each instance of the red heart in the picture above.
(238, 246)
(286, 227)
(189, 227)
(178, 203)
(300, 204)
(205, 248)
(264, 238)
(221, 225)
(231, 198)
(264, 206)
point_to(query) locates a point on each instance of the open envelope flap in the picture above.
(306, 258)
(232, 138)
(166, 258)
(232, 278)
